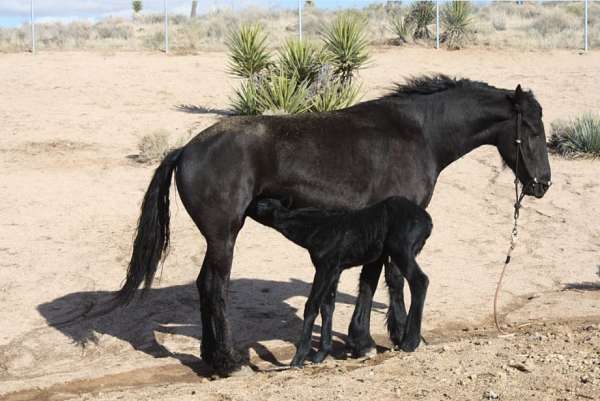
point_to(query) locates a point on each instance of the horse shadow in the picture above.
(257, 309)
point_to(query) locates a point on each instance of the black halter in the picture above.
(519, 197)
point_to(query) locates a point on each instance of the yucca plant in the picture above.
(281, 94)
(346, 42)
(421, 14)
(248, 52)
(245, 99)
(334, 96)
(299, 59)
(457, 18)
(579, 137)
(401, 27)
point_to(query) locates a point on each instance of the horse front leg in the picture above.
(359, 340)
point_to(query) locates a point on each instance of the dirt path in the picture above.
(70, 196)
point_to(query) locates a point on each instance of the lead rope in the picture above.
(515, 231)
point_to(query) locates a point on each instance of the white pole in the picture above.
(437, 24)
(32, 29)
(300, 19)
(585, 27)
(166, 29)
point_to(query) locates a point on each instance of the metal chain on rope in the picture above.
(515, 231)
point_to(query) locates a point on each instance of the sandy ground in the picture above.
(70, 199)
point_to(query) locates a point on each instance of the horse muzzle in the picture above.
(537, 188)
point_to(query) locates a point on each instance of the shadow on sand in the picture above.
(258, 312)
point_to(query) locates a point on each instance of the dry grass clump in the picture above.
(153, 147)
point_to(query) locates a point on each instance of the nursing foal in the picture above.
(337, 240)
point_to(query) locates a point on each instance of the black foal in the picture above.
(337, 240)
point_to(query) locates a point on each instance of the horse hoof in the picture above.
(243, 371)
(409, 346)
(320, 357)
(370, 353)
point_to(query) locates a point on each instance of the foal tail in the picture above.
(152, 236)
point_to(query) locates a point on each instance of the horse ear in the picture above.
(518, 94)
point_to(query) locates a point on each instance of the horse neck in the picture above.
(292, 225)
(463, 127)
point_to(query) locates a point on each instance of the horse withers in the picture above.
(396, 145)
(339, 240)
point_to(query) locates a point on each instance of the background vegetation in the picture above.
(545, 25)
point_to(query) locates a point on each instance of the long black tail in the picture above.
(152, 237)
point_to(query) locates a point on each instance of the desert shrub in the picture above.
(556, 21)
(113, 28)
(421, 14)
(457, 19)
(153, 147)
(345, 40)
(248, 53)
(578, 137)
(499, 22)
(401, 27)
(305, 76)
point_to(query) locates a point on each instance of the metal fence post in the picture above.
(585, 27)
(437, 24)
(166, 29)
(32, 29)
(300, 19)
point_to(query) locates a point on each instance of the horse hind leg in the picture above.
(213, 284)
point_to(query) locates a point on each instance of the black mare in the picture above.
(396, 145)
(339, 240)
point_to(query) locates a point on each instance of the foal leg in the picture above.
(327, 308)
(359, 337)
(324, 279)
(418, 283)
(396, 315)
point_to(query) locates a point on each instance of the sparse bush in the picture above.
(248, 53)
(457, 20)
(401, 27)
(576, 138)
(153, 147)
(499, 22)
(554, 22)
(421, 14)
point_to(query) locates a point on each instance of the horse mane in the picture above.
(428, 84)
